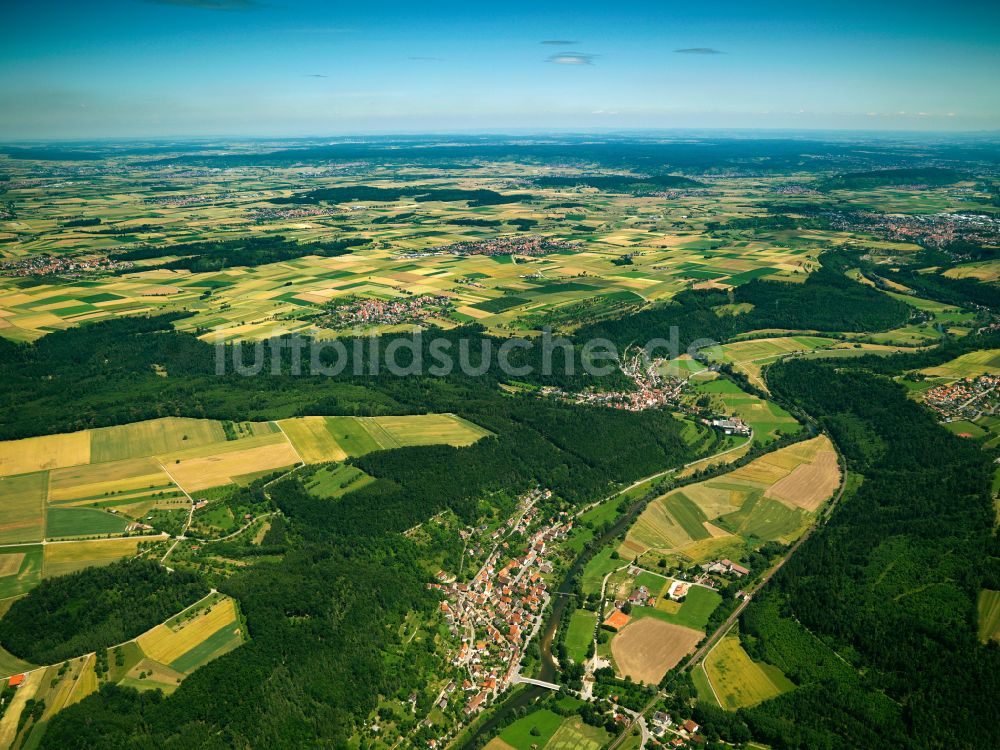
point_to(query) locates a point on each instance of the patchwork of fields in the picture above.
(774, 498)
(86, 486)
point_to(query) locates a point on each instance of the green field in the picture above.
(351, 435)
(222, 641)
(519, 734)
(573, 734)
(152, 437)
(693, 612)
(766, 418)
(989, 615)
(22, 507)
(69, 522)
(763, 518)
(580, 634)
(599, 566)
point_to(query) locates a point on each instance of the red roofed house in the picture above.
(16, 680)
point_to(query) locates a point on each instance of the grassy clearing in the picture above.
(739, 681)
(599, 566)
(580, 634)
(336, 481)
(22, 507)
(702, 685)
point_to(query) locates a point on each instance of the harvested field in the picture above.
(46, 452)
(809, 484)
(194, 474)
(10, 563)
(648, 647)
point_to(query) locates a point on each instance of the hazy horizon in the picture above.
(243, 68)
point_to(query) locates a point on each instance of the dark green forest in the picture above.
(95, 608)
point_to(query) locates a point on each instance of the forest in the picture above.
(201, 257)
(95, 608)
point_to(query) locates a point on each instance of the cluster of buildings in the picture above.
(498, 612)
(926, 229)
(371, 311)
(265, 214)
(662, 727)
(963, 399)
(730, 425)
(509, 244)
(62, 265)
(725, 566)
(653, 390)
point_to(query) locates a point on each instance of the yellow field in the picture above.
(68, 557)
(986, 271)
(165, 644)
(430, 429)
(95, 480)
(312, 439)
(194, 474)
(737, 680)
(983, 362)
(46, 452)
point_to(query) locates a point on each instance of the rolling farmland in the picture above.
(772, 498)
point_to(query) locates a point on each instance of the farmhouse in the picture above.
(16, 680)
(678, 590)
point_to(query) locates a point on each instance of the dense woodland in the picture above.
(95, 608)
(249, 252)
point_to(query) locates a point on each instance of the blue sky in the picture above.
(278, 67)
